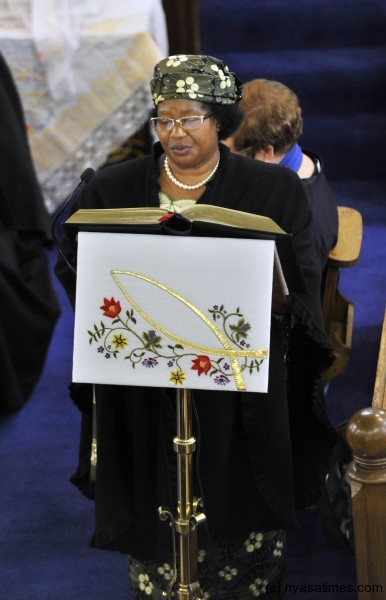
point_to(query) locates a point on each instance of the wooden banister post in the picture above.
(366, 434)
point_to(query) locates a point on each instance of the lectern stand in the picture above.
(188, 516)
(203, 324)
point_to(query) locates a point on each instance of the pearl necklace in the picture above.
(184, 185)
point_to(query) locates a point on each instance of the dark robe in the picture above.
(256, 461)
(324, 210)
(30, 308)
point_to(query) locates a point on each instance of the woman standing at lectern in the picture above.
(260, 454)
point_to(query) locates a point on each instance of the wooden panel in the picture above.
(368, 506)
(182, 18)
(347, 249)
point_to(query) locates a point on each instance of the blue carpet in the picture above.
(332, 53)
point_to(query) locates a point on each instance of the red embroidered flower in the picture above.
(201, 364)
(111, 308)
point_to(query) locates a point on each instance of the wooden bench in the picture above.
(338, 311)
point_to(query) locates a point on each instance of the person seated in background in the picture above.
(30, 306)
(270, 131)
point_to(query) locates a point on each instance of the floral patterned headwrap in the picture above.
(195, 77)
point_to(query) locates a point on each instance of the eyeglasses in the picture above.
(186, 123)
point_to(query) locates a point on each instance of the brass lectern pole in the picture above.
(185, 584)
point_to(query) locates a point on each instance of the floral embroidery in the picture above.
(166, 571)
(150, 362)
(176, 60)
(149, 348)
(254, 542)
(111, 308)
(221, 379)
(225, 79)
(157, 98)
(119, 341)
(201, 364)
(191, 87)
(259, 587)
(201, 555)
(177, 377)
(145, 584)
(223, 571)
(278, 551)
(228, 573)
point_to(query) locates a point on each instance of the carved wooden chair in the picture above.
(338, 311)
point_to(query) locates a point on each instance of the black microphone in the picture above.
(85, 177)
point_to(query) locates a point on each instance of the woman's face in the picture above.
(188, 149)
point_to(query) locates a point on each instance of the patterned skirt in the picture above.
(252, 568)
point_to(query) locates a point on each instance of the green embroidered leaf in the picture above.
(179, 346)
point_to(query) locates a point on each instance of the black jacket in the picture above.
(248, 474)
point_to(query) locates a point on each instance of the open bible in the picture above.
(199, 220)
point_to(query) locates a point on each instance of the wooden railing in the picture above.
(366, 434)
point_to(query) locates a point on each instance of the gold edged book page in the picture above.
(199, 212)
(199, 220)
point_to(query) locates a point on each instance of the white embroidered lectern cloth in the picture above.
(166, 311)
